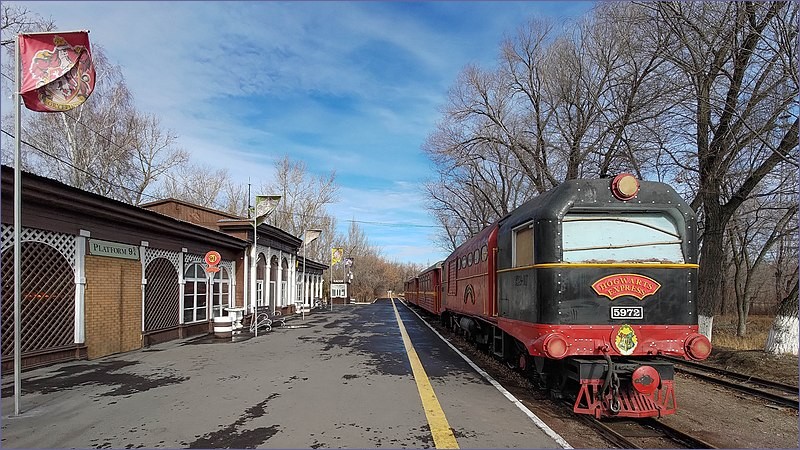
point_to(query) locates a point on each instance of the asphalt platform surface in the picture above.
(338, 379)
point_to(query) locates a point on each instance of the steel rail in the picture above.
(739, 383)
(618, 439)
(788, 388)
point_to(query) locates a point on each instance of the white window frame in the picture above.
(195, 280)
(220, 279)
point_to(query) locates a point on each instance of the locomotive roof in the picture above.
(592, 196)
(595, 194)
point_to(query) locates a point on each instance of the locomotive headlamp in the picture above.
(624, 186)
(646, 379)
(552, 345)
(698, 347)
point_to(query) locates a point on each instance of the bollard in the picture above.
(223, 327)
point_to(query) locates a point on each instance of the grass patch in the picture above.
(724, 332)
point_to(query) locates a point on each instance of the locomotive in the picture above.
(581, 288)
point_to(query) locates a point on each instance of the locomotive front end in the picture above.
(610, 284)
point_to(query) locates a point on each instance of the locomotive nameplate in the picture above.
(635, 285)
(627, 312)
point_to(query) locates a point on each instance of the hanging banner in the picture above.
(264, 205)
(336, 255)
(57, 70)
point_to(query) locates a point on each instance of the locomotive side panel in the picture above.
(518, 291)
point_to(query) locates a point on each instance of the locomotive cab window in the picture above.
(522, 245)
(648, 237)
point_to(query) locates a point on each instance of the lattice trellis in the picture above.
(191, 258)
(47, 295)
(64, 243)
(152, 253)
(161, 295)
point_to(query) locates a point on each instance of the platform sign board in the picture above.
(113, 249)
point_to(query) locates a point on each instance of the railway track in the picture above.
(622, 433)
(641, 433)
(779, 393)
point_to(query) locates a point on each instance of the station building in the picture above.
(100, 276)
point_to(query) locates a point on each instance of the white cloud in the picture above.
(351, 87)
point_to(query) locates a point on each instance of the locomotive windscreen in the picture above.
(624, 237)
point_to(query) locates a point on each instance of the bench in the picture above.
(274, 318)
(263, 321)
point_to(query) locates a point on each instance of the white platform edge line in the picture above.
(536, 420)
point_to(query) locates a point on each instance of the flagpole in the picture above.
(255, 270)
(17, 230)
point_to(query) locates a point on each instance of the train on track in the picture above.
(581, 288)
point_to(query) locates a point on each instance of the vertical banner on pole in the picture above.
(53, 73)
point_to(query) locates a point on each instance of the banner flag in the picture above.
(264, 205)
(336, 255)
(310, 236)
(57, 70)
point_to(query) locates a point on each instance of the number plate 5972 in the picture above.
(627, 312)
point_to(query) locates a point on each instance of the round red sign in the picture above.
(213, 258)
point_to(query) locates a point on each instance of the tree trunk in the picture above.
(712, 258)
(783, 335)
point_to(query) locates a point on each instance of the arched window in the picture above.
(261, 271)
(284, 282)
(273, 280)
(195, 297)
(221, 293)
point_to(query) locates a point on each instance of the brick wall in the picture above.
(113, 305)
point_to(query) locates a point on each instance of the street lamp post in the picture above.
(308, 237)
(265, 204)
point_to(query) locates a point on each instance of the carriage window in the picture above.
(605, 238)
(523, 246)
(451, 277)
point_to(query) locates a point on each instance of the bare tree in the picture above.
(303, 201)
(738, 62)
(196, 183)
(751, 244)
(154, 154)
(557, 108)
(236, 199)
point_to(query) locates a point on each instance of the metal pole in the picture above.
(255, 272)
(17, 231)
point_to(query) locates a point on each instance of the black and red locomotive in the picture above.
(583, 287)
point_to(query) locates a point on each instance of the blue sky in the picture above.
(354, 87)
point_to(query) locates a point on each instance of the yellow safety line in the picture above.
(440, 428)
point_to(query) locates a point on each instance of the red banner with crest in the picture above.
(57, 70)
